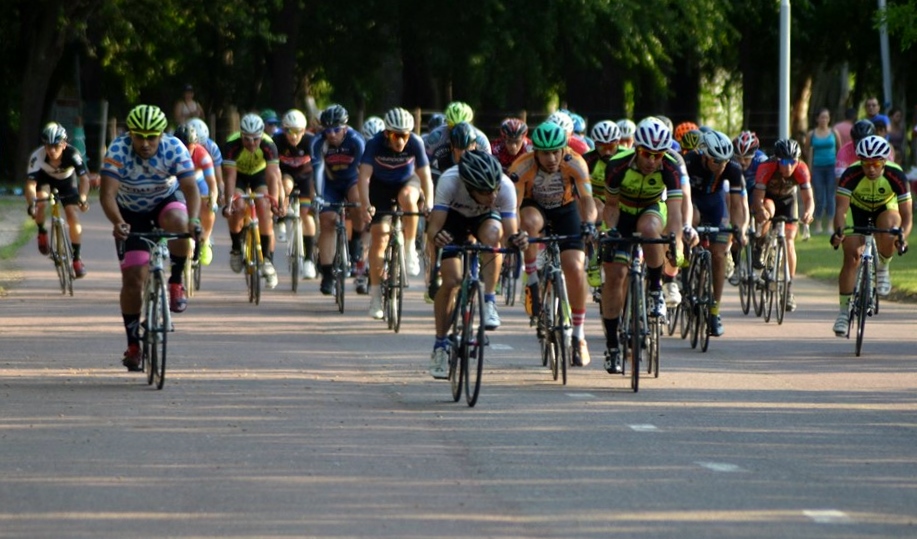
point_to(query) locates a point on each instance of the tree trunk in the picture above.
(283, 58)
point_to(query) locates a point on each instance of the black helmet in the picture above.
(462, 135)
(787, 148)
(862, 129)
(480, 170)
(333, 116)
(186, 134)
(436, 120)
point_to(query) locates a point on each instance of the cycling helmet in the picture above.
(691, 140)
(861, 130)
(562, 119)
(549, 136)
(873, 147)
(705, 129)
(200, 127)
(513, 128)
(371, 126)
(147, 120)
(787, 148)
(462, 135)
(579, 123)
(653, 135)
(683, 128)
(718, 146)
(628, 128)
(294, 119)
(747, 143)
(53, 134)
(666, 121)
(436, 120)
(186, 134)
(480, 170)
(605, 132)
(399, 120)
(269, 116)
(334, 116)
(457, 112)
(251, 124)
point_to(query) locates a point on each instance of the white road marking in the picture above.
(581, 395)
(498, 346)
(827, 516)
(720, 467)
(643, 428)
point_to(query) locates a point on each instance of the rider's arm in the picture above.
(272, 175)
(188, 186)
(229, 183)
(426, 183)
(108, 201)
(30, 191)
(612, 211)
(366, 171)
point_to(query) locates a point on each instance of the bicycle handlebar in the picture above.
(400, 213)
(617, 240)
(871, 230)
(478, 247)
(554, 238)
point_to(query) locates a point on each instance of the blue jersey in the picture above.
(394, 167)
(144, 183)
(337, 163)
(752, 170)
(214, 149)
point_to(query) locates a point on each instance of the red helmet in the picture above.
(513, 128)
(747, 144)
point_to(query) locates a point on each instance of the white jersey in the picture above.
(451, 194)
(144, 183)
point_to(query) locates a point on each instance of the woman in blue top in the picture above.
(824, 143)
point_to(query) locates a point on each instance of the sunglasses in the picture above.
(398, 136)
(292, 131)
(485, 193)
(788, 162)
(251, 138)
(145, 136)
(334, 130)
(717, 162)
(873, 163)
(647, 154)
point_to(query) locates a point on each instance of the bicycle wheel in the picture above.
(862, 305)
(473, 334)
(339, 269)
(546, 330)
(562, 338)
(703, 317)
(687, 303)
(296, 249)
(770, 282)
(672, 320)
(156, 334)
(697, 300)
(781, 280)
(258, 264)
(397, 291)
(146, 338)
(457, 365)
(196, 277)
(746, 281)
(638, 311)
(58, 256)
(652, 354)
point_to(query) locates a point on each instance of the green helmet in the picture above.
(147, 120)
(458, 112)
(548, 137)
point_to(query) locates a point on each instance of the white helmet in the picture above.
(562, 119)
(251, 124)
(653, 135)
(628, 128)
(371, 126)
(606, 132)
(200, 127)
(717, 145)
(873, 147)
(294, 119)
(399, 120)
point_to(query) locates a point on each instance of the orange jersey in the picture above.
(551, 190)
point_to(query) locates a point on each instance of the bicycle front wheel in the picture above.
(546, 330)
(562, 327)
(862, 305)
(638, 311)
(398, 282)
(59, 256)
(339, 270)
(508, 280)
(782, 280)
(457, 364)
(704, 305)
(746, 279)
(295, 248)
(652, 353)
(474, 337)
(156, 334)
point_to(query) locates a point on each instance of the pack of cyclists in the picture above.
(646, 178)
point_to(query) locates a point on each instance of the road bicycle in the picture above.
(467, 336)
(864, 302)
(509, 277)
(61, 250)
(394, 279)
(252, 255)
(747, 276)
(774, 280)
(340, 265)
(155, 317)
(295, 247)
(698, 298)
(638, 332)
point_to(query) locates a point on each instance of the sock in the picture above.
(531, 272)
(326, 270)
(654, 276)
(236, 239)
(266, 247)
(441, 342)
(611, 332)
(715, 309)
(579, 319)
(308, 243)
(356, 248)
(41, 229)
(76, 251)
(132, 328)
(490, 298)
(844, 302)
(178, 267)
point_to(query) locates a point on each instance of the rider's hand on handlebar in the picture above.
(520, 240)
(442, 239)
(30, 209)
(837, 238)
(689, 235)
(121, 231)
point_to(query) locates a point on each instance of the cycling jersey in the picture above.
(249, 163)
(41, 170)
(506, 160)
(885, 192)
(295, 161)
(705, 182)
(555, 189)
(577, 144)
(214, 150)
(776, 186)
(389, 166)
(597, 163)
(144, 183)
(636, 191)
(437, 142)
(452, 195)
(750, 172)
(203, 168)
(337, 164)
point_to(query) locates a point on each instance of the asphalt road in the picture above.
(289, 419)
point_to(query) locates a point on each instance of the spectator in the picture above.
(896, 133)
(186, 107)
(873, 111)
(822, 145)
(881, 123)
(843, 128)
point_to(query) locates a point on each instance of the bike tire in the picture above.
(399, 282)
(638, 310)
(703, 318)
(339, 270)
(259, 264)
(653, 353)
(160, 335)
(146, 340)
(475, 339)
(746, 279)
(564, 346)
(782, 278)
(197, 275)
(58, 256)
(696, 302)
(546, 316)
(297, 254)
(672, 320)
(188, 274)
(862, 307)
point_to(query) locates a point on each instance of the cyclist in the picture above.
(606, 135)
(512, 142)
(437, 141)
(679, 132)
(462, 137)
(748, 154)
(628, 127)
(635, 181)
(148, 181)
(252, 163)
(876, 190)
(58, 165)
(579, 130)
(847, 156)
(553, 190)
(371, 127)
(394, 166)
(690, 141)
(711, 172)
(271, 123)
(205, 177)
(473, 199)
(565, 121)
(294, 149)
(336, 154)
(203, 138)
(776, 184)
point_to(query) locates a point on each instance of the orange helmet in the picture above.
(683, 128)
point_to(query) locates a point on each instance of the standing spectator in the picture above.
(843, 128)
(880, 121)
(186, 107)
(822, 145)
(874, 112)
(896, 133)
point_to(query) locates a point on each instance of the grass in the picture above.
(11, 207)
(818, 260)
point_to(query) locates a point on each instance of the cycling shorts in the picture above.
(627, 225)
(563, 221)
(381, 195)
(336, 192)
(251, 181)
(67, 192)
(134, 251)
(461, 228)
(712, 210)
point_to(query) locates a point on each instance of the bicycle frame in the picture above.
(393, 279)
(61, 250)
